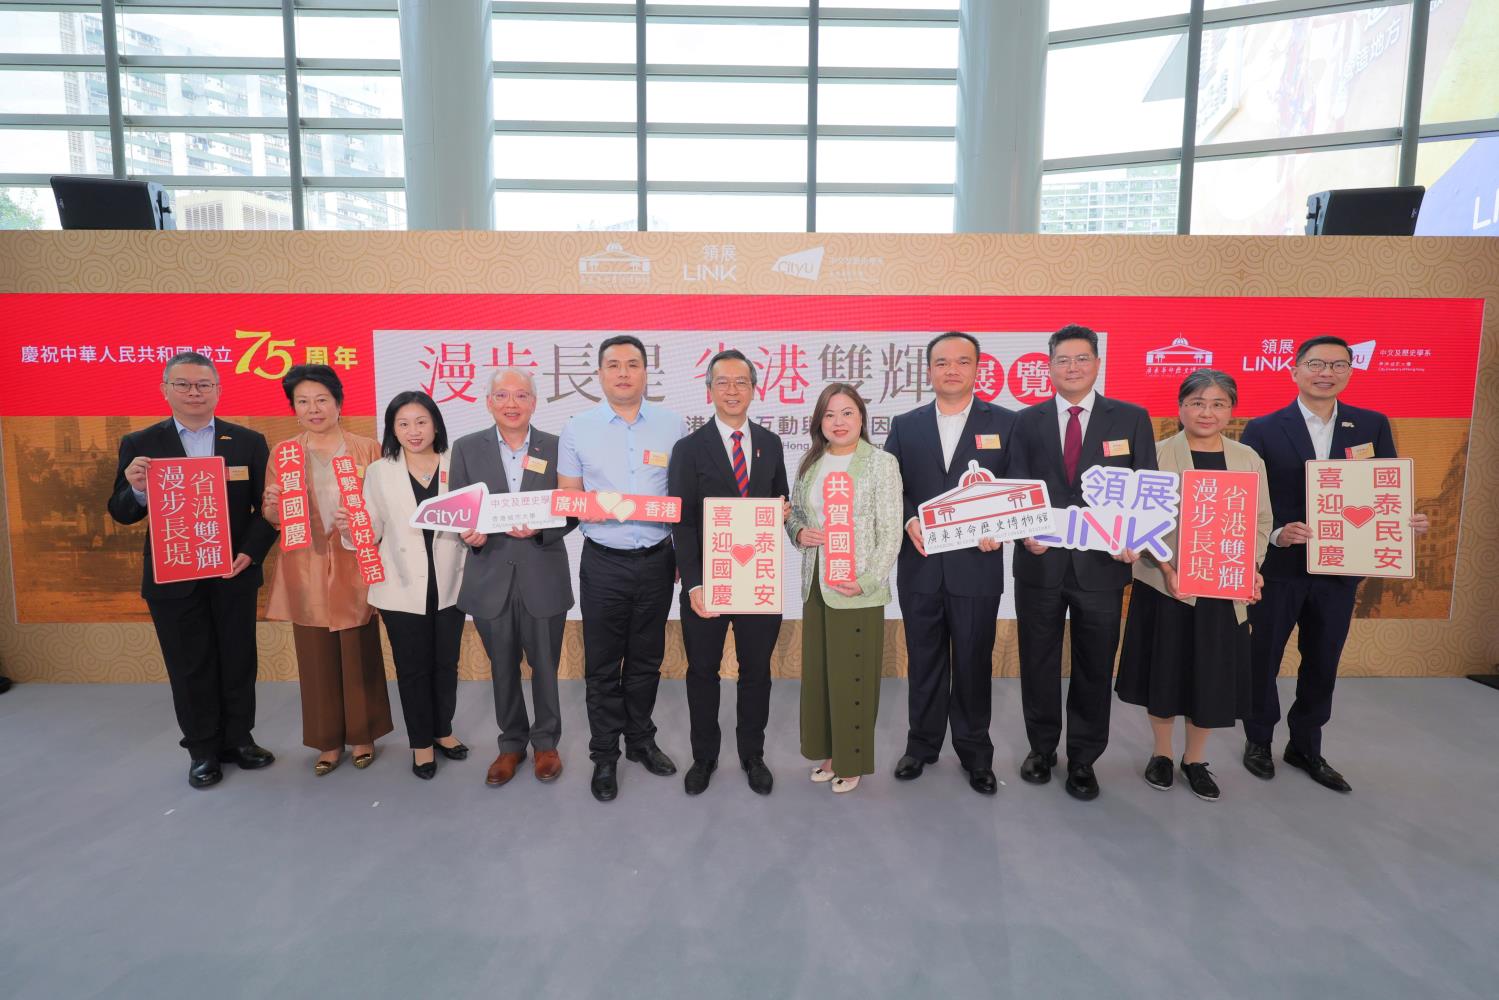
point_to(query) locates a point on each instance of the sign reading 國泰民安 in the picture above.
(742, 555)
(1358, 512)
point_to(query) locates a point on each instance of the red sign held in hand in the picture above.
(291, 477)
(187, 503)
(1216, 534)
(361, 530)
(838, 528)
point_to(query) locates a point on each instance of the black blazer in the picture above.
(1282, 440)
(1037, 454)
(916, 445)
(700, 468)
(249, 533)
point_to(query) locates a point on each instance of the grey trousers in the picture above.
(505, 638)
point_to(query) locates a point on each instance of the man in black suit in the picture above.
(729, 456)
(206, 627)
(1057, 441)
(1316, 426)
(949, 601)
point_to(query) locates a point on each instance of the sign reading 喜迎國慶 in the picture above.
(742, 555)
(1358, 513)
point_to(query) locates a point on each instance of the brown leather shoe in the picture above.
(548, 765)
(503, 768)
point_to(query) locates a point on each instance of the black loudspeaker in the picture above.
(106, 203)
(1364, 211)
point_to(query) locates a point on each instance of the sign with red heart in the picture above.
(1358, 512)
(742, 544)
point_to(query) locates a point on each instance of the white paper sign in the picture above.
(981, 506)
(474, 507)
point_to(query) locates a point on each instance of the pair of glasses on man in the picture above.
(184, 386)
(1318, 365)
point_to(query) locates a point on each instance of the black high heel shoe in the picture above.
(459, 752)
(423, 771)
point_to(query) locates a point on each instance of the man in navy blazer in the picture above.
(1056, 442)
(949, 601)
(1316, 426)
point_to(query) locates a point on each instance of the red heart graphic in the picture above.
(742, 554)
(1358, 516)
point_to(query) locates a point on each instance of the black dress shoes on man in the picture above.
(248, 757)
(1258, 760)
(761, 781)
(908, 768)
(605, 786)
(654, 760)
(1081, 784)
(698, 776)
(1318, 768)
(203, 772)
(983, 781)
(1037, 767)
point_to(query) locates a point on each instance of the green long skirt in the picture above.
(841, 653)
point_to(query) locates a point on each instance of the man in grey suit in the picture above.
(516, 585)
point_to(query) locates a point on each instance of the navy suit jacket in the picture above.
(916, 445)
(1037, 454)
(1282, 440)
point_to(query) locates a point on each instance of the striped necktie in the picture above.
(741, 470)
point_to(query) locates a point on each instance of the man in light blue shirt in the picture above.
(628, 570)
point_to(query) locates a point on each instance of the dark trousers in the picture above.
(505, 638)
(950, 649)
(754, 642)
(208, 642)
(624, 598)
(425, 648)
(1322, 606)
(1041, 613)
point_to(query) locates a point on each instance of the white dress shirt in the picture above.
(1321, 434)
(727, 433)
(950, 430)
(1082, 418)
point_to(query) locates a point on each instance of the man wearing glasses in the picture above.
(1057, 441)
(206, 628)
(516, 585)
(1316, 426)
(729, 456)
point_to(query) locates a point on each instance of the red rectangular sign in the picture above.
(361, 528)
(187, 502)
(599, 505)
(1216, 534)
(838, 565)
(291, 478)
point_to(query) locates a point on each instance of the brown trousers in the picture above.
(344, 698)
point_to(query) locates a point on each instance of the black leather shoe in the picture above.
(1258, 760)
(604, 785)
(423, 771)
(909, 768)
(1037, 767)
(698, 775)
(1318, 768)
(457, 752)
(983, 781)
(248, 757)
(1081, 784)
(653, 758)
(204, 771)
(1200, 780)
(1159, 773)
(761, 781)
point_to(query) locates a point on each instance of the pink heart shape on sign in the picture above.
(742, 554)
(1358, 516)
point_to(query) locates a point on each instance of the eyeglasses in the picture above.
(732, 383)
(505, 396)
(182, 385)
(1081, 360)
(1317, 365)
(1203, 405)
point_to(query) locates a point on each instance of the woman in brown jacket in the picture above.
(320, 590)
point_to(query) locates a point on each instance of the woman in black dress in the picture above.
(1189, 656)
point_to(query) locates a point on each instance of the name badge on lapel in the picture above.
(1112, 449)
(987, 442)
(656, 458)
(536, 465)
(1360, 451)
(239, 473)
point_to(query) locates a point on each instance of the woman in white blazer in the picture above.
(418, 599)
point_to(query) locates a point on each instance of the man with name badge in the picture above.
(1316, 426)
(1057, 441)
(729, 456)
(206, 628)
(516, 585)
(949, 601)
(628, 567)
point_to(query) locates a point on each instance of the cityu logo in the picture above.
(806, 264)
(1363, 354)
(459, 509)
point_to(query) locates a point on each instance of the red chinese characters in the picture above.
(1216, 534)
(187, 503)
(838, 526)
(361, 531)
(742, 555)
(1359, 513)
(290, 470)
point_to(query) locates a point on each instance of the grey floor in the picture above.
(118, 880)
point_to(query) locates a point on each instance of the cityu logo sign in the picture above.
(806, 264)
(455, 511)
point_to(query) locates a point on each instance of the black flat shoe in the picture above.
(203, 772)
(761, 781)
(653, 758)
(459, 752)
(908, 768)
(249, 757)
(423, 771)
(1037, 767)
(1158, 773)
(1258, 760)
(1318, 769)
(605, 785)
(698, 776)
(1081, 783)
(983, 781)
(1200, 780)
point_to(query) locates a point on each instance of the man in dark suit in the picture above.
(206, 627)
(1057, 441)
(949, 601)
(729, 456)
(517, 585)
(1316, 426)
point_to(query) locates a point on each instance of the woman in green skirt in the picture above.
(843, 623)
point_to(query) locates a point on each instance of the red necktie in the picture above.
(1072, 444)
(741, 469)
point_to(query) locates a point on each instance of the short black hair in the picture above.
(623, 338)
(321, 374)
(390, 445)
(931, 345)
(1071, 331)
(1325, 339)
(188, 358)
(1205, 378)
(732, 355)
